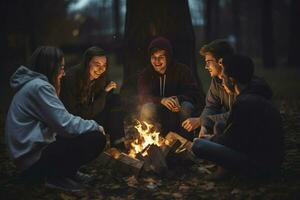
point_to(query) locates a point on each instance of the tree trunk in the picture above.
(236, 24)
(116, 17)
(145, 20)
(294, 40)
(212, 21)
(267, 35)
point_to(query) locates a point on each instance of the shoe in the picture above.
(82, 177)
(63, 183)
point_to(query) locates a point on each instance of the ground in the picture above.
(183, 182)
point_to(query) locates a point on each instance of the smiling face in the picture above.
(97, 66)
(159, 61)
(212, 65)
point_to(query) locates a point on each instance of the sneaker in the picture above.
(63, 183)
(82, 177)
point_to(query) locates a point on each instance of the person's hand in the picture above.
(110, 86)
(101, 129)
(203, 132)
(191, 124)
(171, 103)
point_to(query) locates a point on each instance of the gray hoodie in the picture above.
(219, 103)
(36, 116)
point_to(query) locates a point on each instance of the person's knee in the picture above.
(198, 146)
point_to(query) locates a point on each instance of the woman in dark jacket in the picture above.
(87, 92)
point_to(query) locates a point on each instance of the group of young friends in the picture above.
(58, 121)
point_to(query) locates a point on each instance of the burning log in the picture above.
(129, 165)
(121, 162)
(157, 160)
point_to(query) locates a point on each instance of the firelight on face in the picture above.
(97, 66)
(159, 61)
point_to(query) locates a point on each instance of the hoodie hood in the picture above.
(161, 43)
(259, 87)
(22, 76)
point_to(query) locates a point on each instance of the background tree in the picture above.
(267, 34)
(294, 40)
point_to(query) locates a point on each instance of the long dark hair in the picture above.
(47, 61)
(84, 69)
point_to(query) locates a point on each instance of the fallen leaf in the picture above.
(235, 191)
(209, 186)
(151, 186)
(132, 182)
(204, 170)
(177, 195)
(184, 188)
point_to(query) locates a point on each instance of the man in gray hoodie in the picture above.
(43, 138)
(218, 102)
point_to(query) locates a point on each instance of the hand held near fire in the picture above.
(171, 103)
(110, 86)
(191, 123)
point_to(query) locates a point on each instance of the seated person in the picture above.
(167, 89)
(218, 101)
(87, 92)
(44, 140)
(252, 142)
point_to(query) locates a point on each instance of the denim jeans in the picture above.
(224, 156)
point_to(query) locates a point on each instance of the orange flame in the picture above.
(147, 136)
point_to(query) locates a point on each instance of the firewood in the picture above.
(129, 165)
(157, 160)
(168, 150)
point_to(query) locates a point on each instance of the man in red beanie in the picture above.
(167, 89)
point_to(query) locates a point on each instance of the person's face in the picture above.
(159, 61)
(61, 71)
(97, 66)
(228, 83)
(212, 65)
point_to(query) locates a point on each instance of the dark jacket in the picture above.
(219, 102)
(178, 80)
(254, 128)
(88, 104)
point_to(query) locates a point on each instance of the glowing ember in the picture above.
(147, 136)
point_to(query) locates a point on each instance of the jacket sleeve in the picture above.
(212, 104)
(53, 113)
(144, 90)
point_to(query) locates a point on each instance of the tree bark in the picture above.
(267, 35)
(236, 24)
(294, 40)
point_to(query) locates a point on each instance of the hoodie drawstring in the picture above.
(162, 85)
